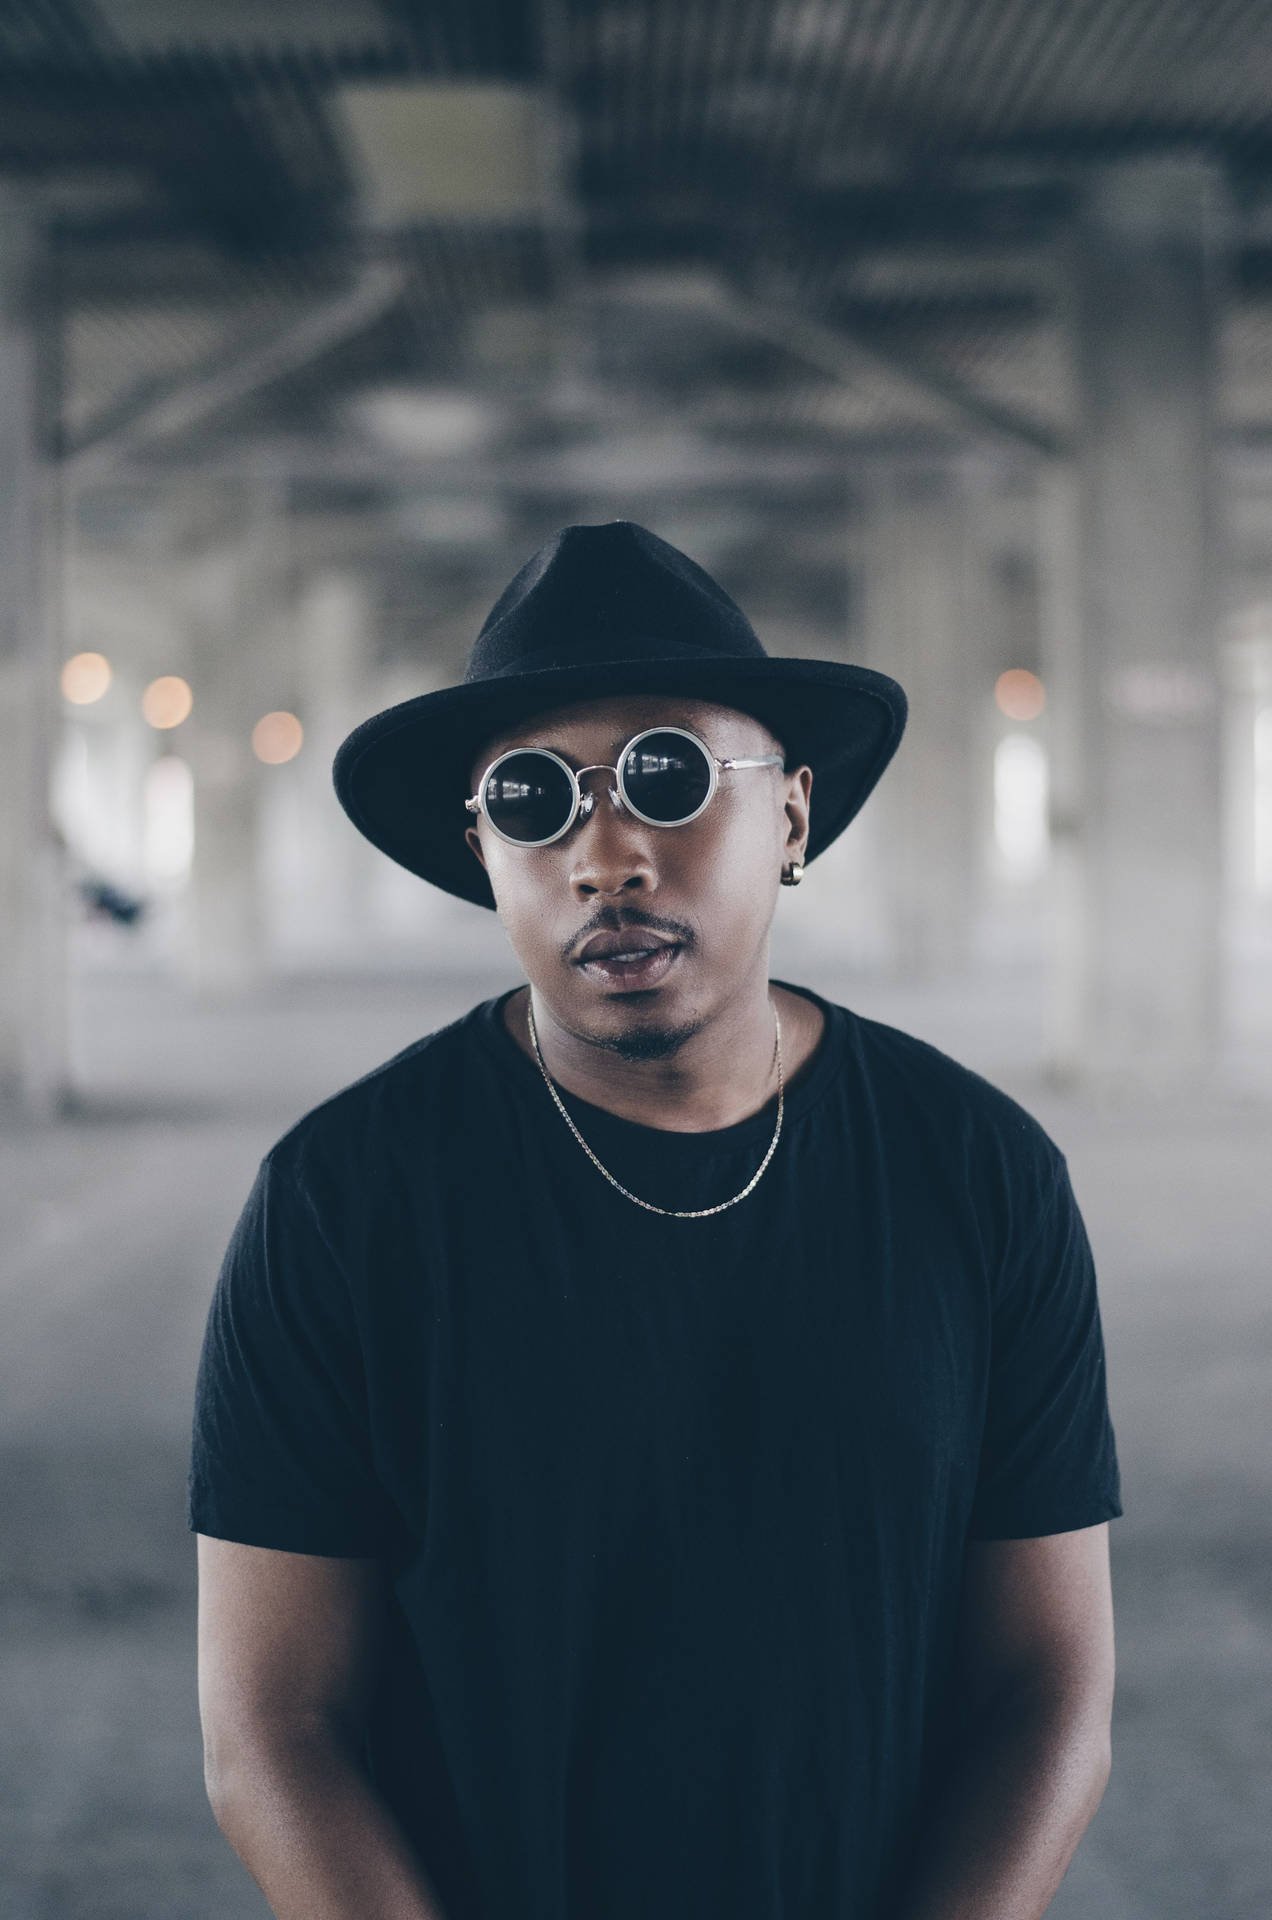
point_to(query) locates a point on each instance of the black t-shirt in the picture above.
(674, 1511)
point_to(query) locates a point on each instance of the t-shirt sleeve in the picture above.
(1048, 1459)
(281, 1451)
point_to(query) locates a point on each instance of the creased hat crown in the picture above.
(615, 592)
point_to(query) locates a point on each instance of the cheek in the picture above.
(521, 889)
(734, 871)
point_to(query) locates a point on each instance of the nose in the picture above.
(612, 853)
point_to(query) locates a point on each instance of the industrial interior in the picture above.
(940, 331)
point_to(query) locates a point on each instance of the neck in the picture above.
(724, 1073)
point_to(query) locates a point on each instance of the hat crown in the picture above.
(613, 592)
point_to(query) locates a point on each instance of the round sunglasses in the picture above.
(666, 776)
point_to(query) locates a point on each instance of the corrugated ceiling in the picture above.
(900, 167)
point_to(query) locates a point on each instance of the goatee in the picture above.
(649, 1043)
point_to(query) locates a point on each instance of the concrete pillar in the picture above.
(1064, 670)
(1247, 747)
(33, 907)
(1139, 995)
(917, 594)
(232, 599)
(1011, 929)
(329, 871)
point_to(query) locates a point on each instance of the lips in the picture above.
(627, 940)
(634, 957)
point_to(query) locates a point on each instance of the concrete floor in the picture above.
(115, 1221)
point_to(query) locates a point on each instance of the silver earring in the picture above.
(793, 874)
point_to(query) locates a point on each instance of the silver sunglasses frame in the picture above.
(585, 802)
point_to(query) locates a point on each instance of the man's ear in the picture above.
(474, 840)
(799, 783)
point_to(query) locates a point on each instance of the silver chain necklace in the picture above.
(671, 1213)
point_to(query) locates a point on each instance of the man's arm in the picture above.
(288, 1644)
(1032, 1759)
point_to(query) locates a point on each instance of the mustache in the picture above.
(618, 919)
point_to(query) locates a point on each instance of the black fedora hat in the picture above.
(603, 610)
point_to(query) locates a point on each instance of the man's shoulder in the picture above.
(958, 1145)
(397, 1102)
(922, 1086)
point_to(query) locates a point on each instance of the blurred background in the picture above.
(941, 332)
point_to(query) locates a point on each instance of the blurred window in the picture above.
(1020, 806)
(1263, 800)
(168, 832)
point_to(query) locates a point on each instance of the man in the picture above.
(651, 1452)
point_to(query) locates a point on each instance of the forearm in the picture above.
(306, 1822)
(1019, 1796)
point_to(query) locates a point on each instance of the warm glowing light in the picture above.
(85, 678)
(167, 701)
(1020, 694)
(277, 737)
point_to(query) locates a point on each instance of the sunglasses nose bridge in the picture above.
(588, 796)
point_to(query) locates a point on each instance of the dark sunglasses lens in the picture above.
(667, 777)
(528, 797)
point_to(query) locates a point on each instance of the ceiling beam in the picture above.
(567, 471)
(937, 397)
(146, 420)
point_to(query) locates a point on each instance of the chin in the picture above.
(650, 1043)
(648, 1039)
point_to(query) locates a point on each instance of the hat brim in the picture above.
(403, 775)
